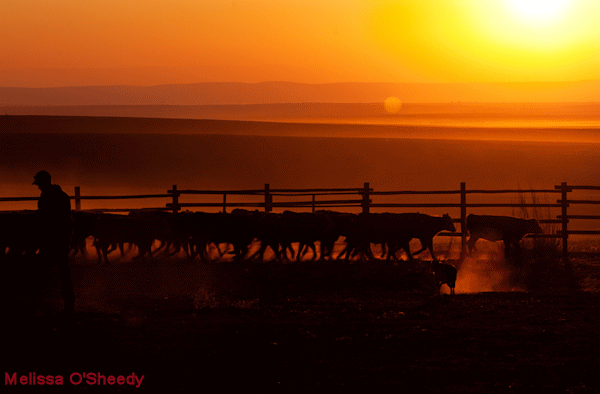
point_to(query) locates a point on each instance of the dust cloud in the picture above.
(487, 273)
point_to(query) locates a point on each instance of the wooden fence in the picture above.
(363, 198)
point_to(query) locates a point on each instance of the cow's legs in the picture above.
(114, 245)
(385, 249)
(303, 249)
(104, 254)
(406, 248)
(260, 253)
(353, 250)
(471, 243)
(144, 247)
(423, 248)
(313, 247)
(274, 247)
(202, 249)
(284, 250)
(392, 250)
(369, 252)
(327, 245)
(426, 244)
(341, 253)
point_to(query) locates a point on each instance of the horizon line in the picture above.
(306, 83)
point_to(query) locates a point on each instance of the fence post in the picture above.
(77, 198)
(565, 220)
(175, 199)
(313, 203)
(463, 220)
(365, 201)
(224, 202)
(268, 199)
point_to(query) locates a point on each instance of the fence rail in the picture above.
(365, 202)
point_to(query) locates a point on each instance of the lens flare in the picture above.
(392, 105)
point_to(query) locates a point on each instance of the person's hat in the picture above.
(41, 177)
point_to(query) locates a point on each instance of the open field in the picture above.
(519, 115)
(133, 156)
(323, 324)
(517, 125)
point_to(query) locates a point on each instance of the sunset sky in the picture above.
(153, 42)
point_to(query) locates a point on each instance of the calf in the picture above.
(444, 273)
(495, 228)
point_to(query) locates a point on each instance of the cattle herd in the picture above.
(196, 233)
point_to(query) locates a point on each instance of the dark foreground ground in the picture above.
(323, 325)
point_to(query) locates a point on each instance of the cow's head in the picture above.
(534, 227)
(448, 223)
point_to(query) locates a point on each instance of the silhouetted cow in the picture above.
(495, 228)
(164, 227)
(444, 273)
(203, 229)
(425, 227)
(112, 231)
(233, 229)
(376, 228)
(395, 231)
(341, 226)
(84, 225)
(238, 229)
(268, 229)
(304, 228)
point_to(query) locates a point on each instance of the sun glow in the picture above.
(538, 10)
(492, 40)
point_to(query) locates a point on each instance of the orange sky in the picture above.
(315, 41)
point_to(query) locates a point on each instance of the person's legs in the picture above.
(61, 257)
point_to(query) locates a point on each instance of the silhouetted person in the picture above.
(54, 209)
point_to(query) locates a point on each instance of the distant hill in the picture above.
(225, 93)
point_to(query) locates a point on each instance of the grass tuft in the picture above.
(541, 248)
(540, 267)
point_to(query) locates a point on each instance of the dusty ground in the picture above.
(269, 327)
